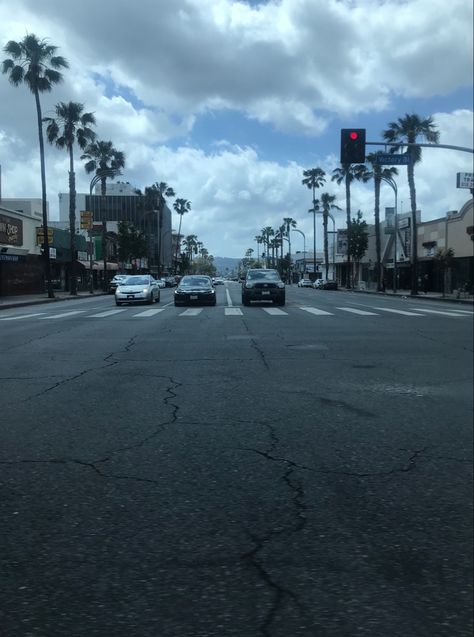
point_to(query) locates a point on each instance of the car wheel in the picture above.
(157, 300)
(245, 300)
(280, 301)
(117, 303)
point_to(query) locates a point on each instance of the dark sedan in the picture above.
(195, 290)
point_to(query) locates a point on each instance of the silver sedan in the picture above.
(141, 288)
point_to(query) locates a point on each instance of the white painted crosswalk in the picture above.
(234, 311)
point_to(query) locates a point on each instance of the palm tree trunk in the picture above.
(348, 222)
(414, 231)
(326, 247)
(47, 261)
(72, 224)
(378, 257)
(178, 241)
(160, 228)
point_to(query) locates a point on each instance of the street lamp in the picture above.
(392, 183)
(304, 247)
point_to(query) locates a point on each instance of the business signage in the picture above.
(11, 231)
(465, 180)
(87, 218)
(40, 236)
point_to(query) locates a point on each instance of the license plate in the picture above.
(130, 296)
(193, 297)
(265, 292)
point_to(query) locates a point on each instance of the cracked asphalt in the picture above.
(237, 476)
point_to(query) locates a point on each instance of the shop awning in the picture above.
(99, 265)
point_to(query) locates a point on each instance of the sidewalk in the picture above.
(430, 296)
(21, 300)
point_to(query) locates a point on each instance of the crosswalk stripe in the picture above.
(422, 309)
(470, 312)
(147, 313)
(233, 311)
(386, 309)
(192, 311)
(314, 310)
(22, 316)
(56, 316)
(274, 311)
(354, 311)
(104, 314)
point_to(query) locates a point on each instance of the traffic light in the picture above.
(352, 145)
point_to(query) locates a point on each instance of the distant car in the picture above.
(263, 285)
(141, 288)
(305, 283)
(325, 284)
(217, 280)
(170, 281)
(161, 283)
(118, 278)
(195, 289)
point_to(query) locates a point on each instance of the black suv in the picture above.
(263, 285)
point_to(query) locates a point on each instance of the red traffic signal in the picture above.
(352, 145)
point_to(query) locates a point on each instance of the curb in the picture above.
(27, 303)
(418, 297)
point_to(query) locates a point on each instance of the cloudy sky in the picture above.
(229, 101)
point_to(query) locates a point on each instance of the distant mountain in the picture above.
(226, 265)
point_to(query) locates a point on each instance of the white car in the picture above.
(140, 287)
(305, 283)
(161, 283)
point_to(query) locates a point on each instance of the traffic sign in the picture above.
(40, 235)
(86, 219)
(392, 160)
(465, 180)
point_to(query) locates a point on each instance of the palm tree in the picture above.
(155, 196)
(104, 160)
(327, 204)
(181, 206)
(289, 223)
(259, 241)
(71, 125)
(378, 174)
(34, 62)
(348, 173)
(314, 178)
(407, 130)
(266, 233)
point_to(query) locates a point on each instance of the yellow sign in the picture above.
(40, 236)
(86, 220)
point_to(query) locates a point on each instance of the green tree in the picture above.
(314, 178)
(34, 62)
(379, 174)
(181, 206)
(408, 130)
(348, 173)
(71, 125)
(357, 240)
(131, 242)
(104, 160)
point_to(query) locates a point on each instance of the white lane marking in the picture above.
(385, 309)
(422, 309)
(233, 311)
(22, 316)
(354, 311)
(274, 311)
(192, 311)
(55, 316)
(229, 300)
(470, 312)
(104, 314)
(314, 310)
(147, 313)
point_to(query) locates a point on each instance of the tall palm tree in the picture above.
(289, 223)
(104, 160)
(348, 173)
(408, 130)
(34, 62)
(314, 178)
(259, 241)
(71, 125)
(379, 174)
(327, 204)
(181, 206)
(155, 197)
(266, 233)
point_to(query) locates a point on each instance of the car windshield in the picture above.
(269, 275)
(137, 280)
(195, 281)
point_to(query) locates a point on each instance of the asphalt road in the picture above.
(239, 471)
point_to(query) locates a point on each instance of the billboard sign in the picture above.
(11, 231)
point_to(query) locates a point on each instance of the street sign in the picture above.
(86, 219)
(465, 180)
(40, 236)
(392, 160)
